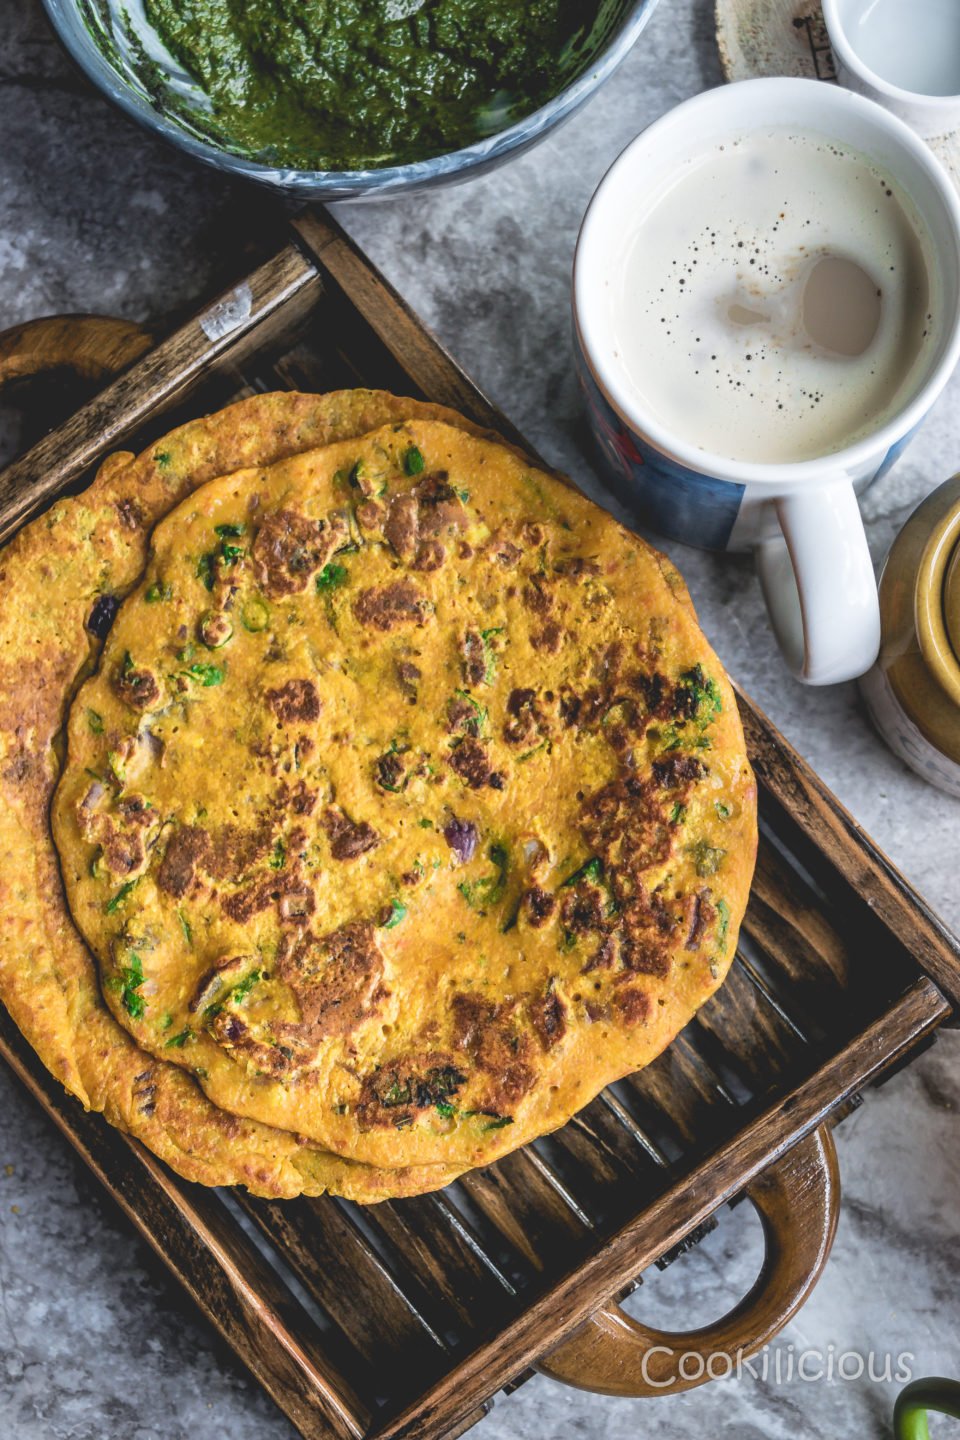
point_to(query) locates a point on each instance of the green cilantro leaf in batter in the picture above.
(413, 461)
(331, 577)
(117, 900)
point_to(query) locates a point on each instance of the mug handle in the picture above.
(818, 582)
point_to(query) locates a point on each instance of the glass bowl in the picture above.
(93, 33)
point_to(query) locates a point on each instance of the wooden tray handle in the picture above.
(798, 1199)
(93, 347)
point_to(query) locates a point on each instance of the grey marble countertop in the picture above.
(95, 1340)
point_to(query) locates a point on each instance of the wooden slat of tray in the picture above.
(507, 1262)
(333, 1261)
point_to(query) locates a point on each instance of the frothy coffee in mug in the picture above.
(776, 302)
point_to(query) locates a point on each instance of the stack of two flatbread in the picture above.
(370, 798)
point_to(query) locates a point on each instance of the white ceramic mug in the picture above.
(801, 520)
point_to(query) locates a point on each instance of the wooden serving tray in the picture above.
(402, 1320)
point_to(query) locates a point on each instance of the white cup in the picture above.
(929, 115)
(801, 520)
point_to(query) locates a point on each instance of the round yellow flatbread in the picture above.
(409, 806)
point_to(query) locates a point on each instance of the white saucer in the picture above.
(788, 37)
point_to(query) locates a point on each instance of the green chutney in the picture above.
(358, 84)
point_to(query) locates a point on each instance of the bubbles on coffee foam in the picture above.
(772, 312)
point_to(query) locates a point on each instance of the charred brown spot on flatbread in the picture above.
(632, 1005)
(418, 519)
(391, 770)
(136, 686)
(232, 849)
(604, 957)
(625, 825)
(278, 1059)
(463, 716)
(644, 953)
(577, 566)
(120, 832)
(336, 979)
(549, 638)
(676, 771)
(527, 721)
(538, 906)
(548, 1015)
(644, 928)
(130, 512)
(441, 508)
(295, 701)
(657, 693)
(403, 1087)
(385, 607)
(491, 1035)
(502, 550)
(290, 548)
(532, 534)
(402, 526)
(409, 676)
(473, 655)
(471, 761)
(370, 515)
(186, 847)
(214, 629)
(288, 893)
(537, 596)
(302, 799)
(701, 914)
(583, 910)
(430, 556)
(348, 838)
(396, 767)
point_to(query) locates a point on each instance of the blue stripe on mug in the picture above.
(679, 503)
(895, 451)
